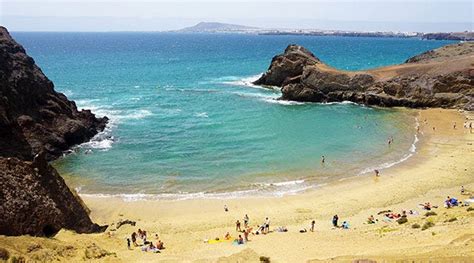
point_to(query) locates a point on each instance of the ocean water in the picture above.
(185, 121)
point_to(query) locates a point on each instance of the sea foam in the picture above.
(259, 190)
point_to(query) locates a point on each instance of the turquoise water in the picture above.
(185, 122)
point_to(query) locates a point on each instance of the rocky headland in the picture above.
(37, 124)
(442, 77)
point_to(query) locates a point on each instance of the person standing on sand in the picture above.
(376, 173)
(246, 235)
(454, 125)
(323, 159)
(128, 243)
(312, 226)
(226, 209)
(134, 239)
(334, 220)
(237, 226)
(246, 221)
(267, 225)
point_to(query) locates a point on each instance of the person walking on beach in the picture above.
(237, 226)
(334, 220)
(226, 209)
(376, 173)
(312, 226)
(246, 221)
(323, 159)
(128, 243)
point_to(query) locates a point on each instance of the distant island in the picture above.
(216, 27)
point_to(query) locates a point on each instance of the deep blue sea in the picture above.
(185, 122)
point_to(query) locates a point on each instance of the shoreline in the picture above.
(442, 164)
(267, 189)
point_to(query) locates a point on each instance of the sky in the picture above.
(162, 15)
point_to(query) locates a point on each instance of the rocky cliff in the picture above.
(440, 78)
(34, 117)
(36, 125)
(35, 200)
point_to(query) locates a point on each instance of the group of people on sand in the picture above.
(246, 229)
(264, 229)
(388, 215)
(450, 202)
(335, 219)
(145, 244)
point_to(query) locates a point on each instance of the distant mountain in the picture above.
(214, 27)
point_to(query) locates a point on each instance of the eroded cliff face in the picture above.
(36, 201)
(34, 117)
(36, 125)
(439, 78)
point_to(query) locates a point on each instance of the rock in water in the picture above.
(440, 78)
(34, 117)
(35, 200)
(288, 66)
(36, 125)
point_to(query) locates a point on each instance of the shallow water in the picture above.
(186, 123)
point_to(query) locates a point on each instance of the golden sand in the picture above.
(444, 161)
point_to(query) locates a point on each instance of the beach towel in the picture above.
(471, 200)
(213, 241)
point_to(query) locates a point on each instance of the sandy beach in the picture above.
(444, 162)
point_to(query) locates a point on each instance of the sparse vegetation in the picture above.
(415, 225)
(33, 247)
(19, 259)
(427, 225)
(430, 213)
(95, 252)
(452, 219)
(402, 220)
(4, 254)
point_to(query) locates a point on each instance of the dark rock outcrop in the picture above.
(464, 36)
(34, 117)
(439, 78)
(36, 125)
(284, 68)
(35, 200)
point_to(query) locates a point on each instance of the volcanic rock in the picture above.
(439, 78)
(33, 116)
(37, 124)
